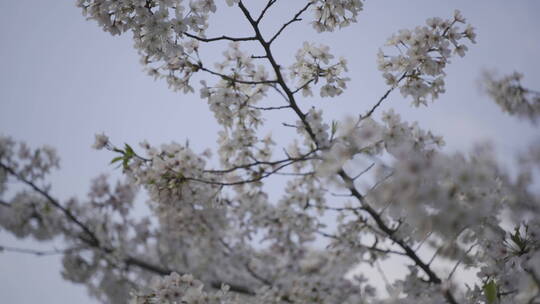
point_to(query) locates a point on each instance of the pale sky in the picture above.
(62, 79)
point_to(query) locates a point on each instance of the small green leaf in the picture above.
(334, 127)
(125, 162)
(490, 290)
(46, 208)
(129, 150)
(116, 159)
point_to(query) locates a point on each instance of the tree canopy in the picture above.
(358, 191)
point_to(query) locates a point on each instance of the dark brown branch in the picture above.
(277, 70)
(235, 80)
(241, 182)
(280, 93)
(233, 287)
(363, 171)
(289, 125)
(267, 163)
(370, 248)
(258, 57)
(303, 86)
(257, 276)
(370, 112)
(202, 39)
(93, 239)
(269, 108)
(433, 278)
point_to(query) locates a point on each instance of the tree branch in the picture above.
(277, 70)
(268, 5)
(38, 252)
(235, 80)
(348, 181)
(370, 112)
(268, 163)
(433, 278)
(270, 108)
(294, 19)
(202, 39)
(95, 243)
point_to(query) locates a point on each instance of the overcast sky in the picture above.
(62, 80)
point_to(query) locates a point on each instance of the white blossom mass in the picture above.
(370, 189)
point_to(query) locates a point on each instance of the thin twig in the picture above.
(364, 171)
(202, 39)
(235, 80)
(270, 108)
(294, 19)
(370, 112)
(39, 252)
(460, 261)
(265, 9)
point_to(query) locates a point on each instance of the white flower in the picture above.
(100, 142)
(424, 52)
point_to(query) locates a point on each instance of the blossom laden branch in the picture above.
(92, 239)
(224, 227)
(391, 234)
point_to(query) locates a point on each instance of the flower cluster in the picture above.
(366, 136)
(30, 164)
(511, 264)
(312, 64)
(98, 233)
(174, 174)
(319, 129)
(330, 14)
(354, 136)
(222, 225)
(401, 137)
(512, 97)
(233, 101)
(175, 288)
(100, 141)
(159, 29)
(422, 56)
(439, 193)
(28, 215)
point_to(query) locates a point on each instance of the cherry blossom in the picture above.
(356, 191)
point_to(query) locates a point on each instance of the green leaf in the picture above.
(116, 159)
(490, 290)
(334, 127)
(129, 150)
(46, 208)
(125, 162)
